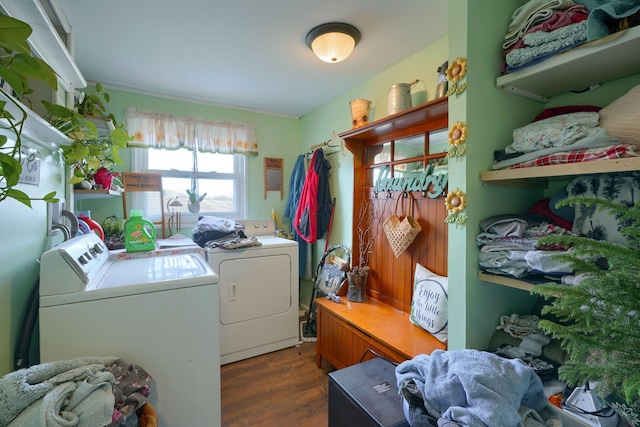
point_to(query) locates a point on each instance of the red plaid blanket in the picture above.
(618, 151)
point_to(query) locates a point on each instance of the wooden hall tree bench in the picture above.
(390, 147)
(348, 329)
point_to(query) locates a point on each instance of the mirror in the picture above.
(408, 148)
(438, 141)
(377, 154)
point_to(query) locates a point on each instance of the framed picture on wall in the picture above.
(273, 176)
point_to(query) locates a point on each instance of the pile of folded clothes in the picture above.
(510, 245)
(540, 29)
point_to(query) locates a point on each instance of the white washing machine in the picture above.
(154, 309)
(258, 294)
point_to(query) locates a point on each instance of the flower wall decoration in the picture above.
(457, 140)
(455, 73)
(456, 203)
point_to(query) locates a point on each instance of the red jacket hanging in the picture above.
(314, 209)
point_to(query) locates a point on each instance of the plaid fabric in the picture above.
(618, 151)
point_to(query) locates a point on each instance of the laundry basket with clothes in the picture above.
(86, 391)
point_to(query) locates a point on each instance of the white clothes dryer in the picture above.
(154, 309)
(259, 294)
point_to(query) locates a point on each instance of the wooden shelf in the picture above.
(592, 63)
(505, 281)
(514, 176)
(95, 194)
(432, 114)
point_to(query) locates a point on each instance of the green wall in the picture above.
(23, 238)
(476, 32)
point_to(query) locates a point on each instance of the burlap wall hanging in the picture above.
(401, 232)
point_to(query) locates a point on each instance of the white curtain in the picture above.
(160, 130)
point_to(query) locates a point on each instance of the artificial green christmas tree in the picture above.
(599, 317)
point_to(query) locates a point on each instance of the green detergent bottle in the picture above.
(139, 233)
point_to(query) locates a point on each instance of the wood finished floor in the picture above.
(283, 388)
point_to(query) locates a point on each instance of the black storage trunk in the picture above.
(365, 395)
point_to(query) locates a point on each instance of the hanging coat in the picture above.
(296, 183)
(314, 210)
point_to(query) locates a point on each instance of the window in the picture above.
(223, 147)
(221, 176)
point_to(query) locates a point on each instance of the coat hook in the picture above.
(405, 194)
(424, 193)
(375, 194)
(389, 195)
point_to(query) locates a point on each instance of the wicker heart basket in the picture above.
(401, 232)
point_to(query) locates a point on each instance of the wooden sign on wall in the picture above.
(273, 176)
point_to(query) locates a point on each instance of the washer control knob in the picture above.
(98, 248)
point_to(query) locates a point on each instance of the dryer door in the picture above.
(254, 287)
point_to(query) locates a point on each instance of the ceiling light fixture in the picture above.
(334, 41)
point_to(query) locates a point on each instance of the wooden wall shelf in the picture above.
(95, 194)
(433, 114)
(507, 176)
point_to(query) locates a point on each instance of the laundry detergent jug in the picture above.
(139, 233)
(94, 226)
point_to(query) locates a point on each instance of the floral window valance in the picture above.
(160, 130)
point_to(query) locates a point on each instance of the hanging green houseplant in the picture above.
(194, 198)
(17, 65)
(90, 149)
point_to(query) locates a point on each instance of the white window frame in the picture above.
(140, 163)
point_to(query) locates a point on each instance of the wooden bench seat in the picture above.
(346, 330)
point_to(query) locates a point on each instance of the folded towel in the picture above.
(530, 14)
(543, 45)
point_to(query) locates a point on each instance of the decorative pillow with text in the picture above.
(430, 303)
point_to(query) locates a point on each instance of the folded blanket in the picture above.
(598, 138)
(473, 388)
(530, 14)
(555, 131)
(20, 389)
(541, 44)
(617, 151)
(576, 31)
(504, 262)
